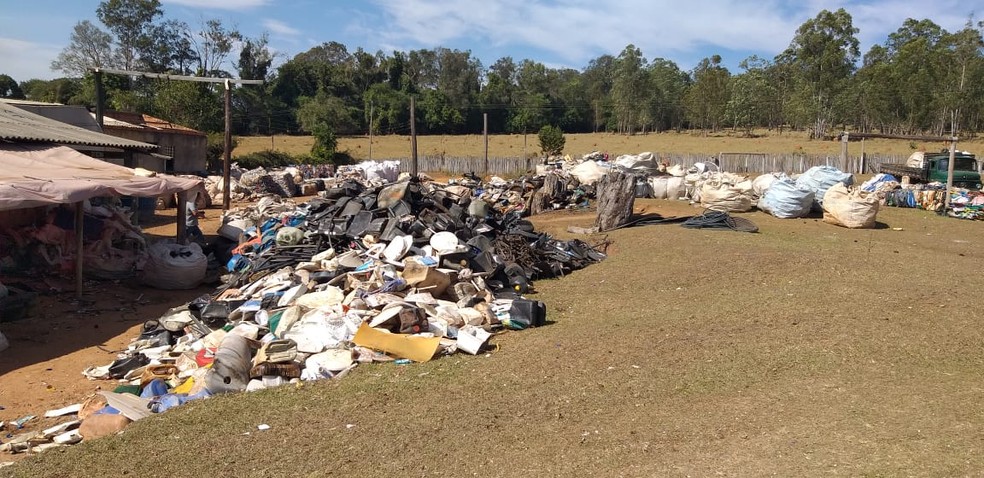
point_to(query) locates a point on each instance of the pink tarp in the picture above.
(38, 175)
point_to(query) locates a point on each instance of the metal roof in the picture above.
(20, 125)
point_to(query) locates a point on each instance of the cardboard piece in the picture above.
(418, 349)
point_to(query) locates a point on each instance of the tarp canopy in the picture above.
(34, 175)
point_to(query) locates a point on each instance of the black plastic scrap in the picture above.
(346, 214)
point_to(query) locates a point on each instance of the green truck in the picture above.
(932, 167)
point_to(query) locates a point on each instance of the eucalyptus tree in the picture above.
(629, 90)
(496, 94)
(131, 22)
(707, 98)
(667, 85)
(822, 57)
(599, 77)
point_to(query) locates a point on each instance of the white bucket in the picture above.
(471, 339)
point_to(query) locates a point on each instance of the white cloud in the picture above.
(280, 28)
(576, 31)
(220, 4)
(25, 60)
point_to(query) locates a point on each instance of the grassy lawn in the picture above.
(803, 350)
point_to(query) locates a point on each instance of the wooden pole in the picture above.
(371, 109)
(79, 252)
(949, 172)
(485, 135)
(226, 156)
(844, 139)
(182, 217)
(413, 140)
(100, 96)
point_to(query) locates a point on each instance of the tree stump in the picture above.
(616, 197)
(553, 188)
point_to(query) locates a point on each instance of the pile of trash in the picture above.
(301, 180)
(113, 248)
(401, 272)
(964, 203)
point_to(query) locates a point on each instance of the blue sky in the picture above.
(558, 33)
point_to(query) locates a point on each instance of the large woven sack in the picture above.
(820, 178)
(675, 188)
(724, 198)
(785, 200)
(174, 266)
(588, 172)
(761, 183)
(854, 209)
(659, 185)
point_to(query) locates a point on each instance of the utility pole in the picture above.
(371, 108)
(100, 96)
(201, 79)
(413, 141)
(485, 135)
(227, 155)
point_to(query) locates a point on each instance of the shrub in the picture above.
(551, 140)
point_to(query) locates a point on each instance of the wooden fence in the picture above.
(748, 163)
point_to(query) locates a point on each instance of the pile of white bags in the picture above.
(850, 208)
(174, 266)
(382, 171)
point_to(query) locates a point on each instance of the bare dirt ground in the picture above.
(803, 350)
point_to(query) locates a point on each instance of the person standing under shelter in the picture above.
(192, 214)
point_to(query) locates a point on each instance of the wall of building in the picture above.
(188, 150)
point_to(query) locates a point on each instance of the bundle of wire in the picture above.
(720, 220)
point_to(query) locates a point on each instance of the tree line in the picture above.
(922, 79)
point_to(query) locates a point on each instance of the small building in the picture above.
(179, 149)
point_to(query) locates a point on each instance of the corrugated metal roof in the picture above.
(139, 121)
(20, 125)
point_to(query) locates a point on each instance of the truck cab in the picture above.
(966, 170)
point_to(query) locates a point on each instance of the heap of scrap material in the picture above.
(400, 272)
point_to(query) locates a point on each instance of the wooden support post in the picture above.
(949, 172)
(616, 198)
(844, 139)
(79, 245)
(485, 137)
(413, 140)
(100, 96)
(182, 218)
(226, 157)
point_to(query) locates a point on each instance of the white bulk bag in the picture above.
(659, 185)
(785, 200)
(174, 266)
(853, 209)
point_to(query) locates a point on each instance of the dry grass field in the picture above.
(803, 350)
(395, 147)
